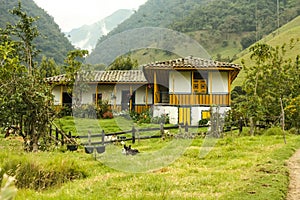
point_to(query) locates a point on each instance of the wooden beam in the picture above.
(155, 88)
(61, 94)
(210, 87)
(130, 101)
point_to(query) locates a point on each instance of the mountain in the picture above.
(279, 37)
(222, 27)
(86, 37)
(52, 42)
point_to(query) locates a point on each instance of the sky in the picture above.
(69, 14)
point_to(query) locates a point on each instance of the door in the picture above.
(184, 115)
(125, 99)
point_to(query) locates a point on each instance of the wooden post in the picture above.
(186, 127)
(89, 138)
(162, 132)
(103, 137)
(96, 97)
(210, 88)
(62, 139)
(133, 134)
(56, 136)
(130, 101)
(282, 120)
(155, 89)
(50, 133)
(115, 100)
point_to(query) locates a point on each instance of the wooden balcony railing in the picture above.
(200, 99)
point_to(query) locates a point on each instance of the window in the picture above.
(205, 114)
(199, 82)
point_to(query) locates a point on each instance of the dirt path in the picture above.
(294, 187)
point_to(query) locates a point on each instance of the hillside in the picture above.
(51, 42)
(279, 37)
(222, 27)
(86, 37)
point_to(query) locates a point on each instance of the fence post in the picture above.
(56, 136)
(62, 139)
(103, 137)
(89, 138)
(50, 134)
(133, 134)
(162, 132)
(186, 128)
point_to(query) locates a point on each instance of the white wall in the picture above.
(196, 114)
(219, 82)
(57, 95)
(140, 95)
(180, 82)
(87, 96)
(163, 110)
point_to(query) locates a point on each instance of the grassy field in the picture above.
(242, 167)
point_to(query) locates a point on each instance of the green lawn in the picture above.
(235, 168)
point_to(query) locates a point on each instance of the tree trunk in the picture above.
(251, 126)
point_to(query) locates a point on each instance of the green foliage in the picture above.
(25, 98)
(240, 22)
(266, 84)
(123, 63)
(51, 41)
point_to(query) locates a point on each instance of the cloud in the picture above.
(69, 14)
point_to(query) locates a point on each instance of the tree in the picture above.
(123, 63)
(25, 97)
(266, 83)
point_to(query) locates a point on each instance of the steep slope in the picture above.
(51, 42)
(222, 27)
(86, 37)
(279, 37)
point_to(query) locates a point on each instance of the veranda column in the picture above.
(155, 89)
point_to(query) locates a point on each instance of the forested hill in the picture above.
(51, 42)
(216, 24)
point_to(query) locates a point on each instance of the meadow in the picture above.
(236, 167)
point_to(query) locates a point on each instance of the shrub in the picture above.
(164, 119)
(108, 115)
(273, 131)
(32, 175)
(203, 122)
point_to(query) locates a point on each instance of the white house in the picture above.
(183, 88)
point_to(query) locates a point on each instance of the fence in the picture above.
(97, 141)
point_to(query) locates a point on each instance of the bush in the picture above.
(32, 175)
(273, 131)
(108, 115)
(164, 119)
(203, 122)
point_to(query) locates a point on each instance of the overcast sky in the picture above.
(69, 14)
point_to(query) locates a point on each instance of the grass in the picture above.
(236, 168)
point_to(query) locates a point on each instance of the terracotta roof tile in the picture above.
(124, 76)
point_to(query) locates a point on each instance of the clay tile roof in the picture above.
(123, 76)
(189, 62)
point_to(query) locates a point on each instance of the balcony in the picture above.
(199, 99)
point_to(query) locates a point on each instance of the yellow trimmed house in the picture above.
(124, 90)
(183, 88)
(186, 88)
